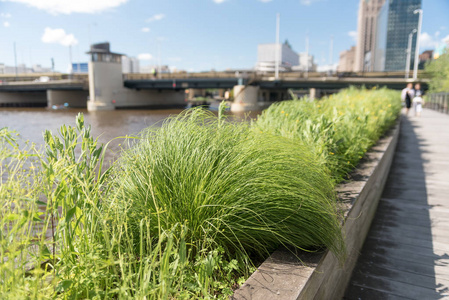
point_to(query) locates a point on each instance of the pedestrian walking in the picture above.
(407, 95)
(417, 100)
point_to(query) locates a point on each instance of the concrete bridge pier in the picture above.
(196, 93)
(105, 78)
(314, 93)
(245, 98)
(76, 99)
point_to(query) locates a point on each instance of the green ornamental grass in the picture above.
(223, 182)
(187, 207)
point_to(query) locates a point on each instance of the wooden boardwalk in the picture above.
(406, 253)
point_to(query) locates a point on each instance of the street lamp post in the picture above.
(409, 54)
(277, 49)
(307, 55)
(418, 35)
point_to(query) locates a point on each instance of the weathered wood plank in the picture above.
(406, 254)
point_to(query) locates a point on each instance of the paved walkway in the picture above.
(406, 253)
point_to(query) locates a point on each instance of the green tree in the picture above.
(439, 73)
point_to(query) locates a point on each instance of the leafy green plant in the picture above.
(187, 207)
(338, 129)
(243, 191)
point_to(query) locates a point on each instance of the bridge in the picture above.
(287, 81)
(37, 86)
(133, 90)
(38, 93)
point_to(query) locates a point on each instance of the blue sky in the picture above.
(192, 35)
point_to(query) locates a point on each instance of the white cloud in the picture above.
(58, 36)
(265, 1)
(6, 24)
(445, 39)
(429, 42)
(426, 41)
(353, 35)
(145, 56)
(145, 29)
(72, 6)
(219, 1)
(5, 15)
(157, 17)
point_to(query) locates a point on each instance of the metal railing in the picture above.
(438, 102)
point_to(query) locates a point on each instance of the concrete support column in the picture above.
(105, 85)
(245, 98)
(196, 93)
(314, 93)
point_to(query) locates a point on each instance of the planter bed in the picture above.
(288, 275)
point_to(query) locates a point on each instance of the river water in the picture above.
(106, 125)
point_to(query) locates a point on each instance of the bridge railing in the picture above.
(438, 102)
(37, 76)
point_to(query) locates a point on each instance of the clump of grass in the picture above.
(243, 191)
(339, 129)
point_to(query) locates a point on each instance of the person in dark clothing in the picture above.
(407, 95)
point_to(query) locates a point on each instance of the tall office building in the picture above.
(395, 22)
(366, 34)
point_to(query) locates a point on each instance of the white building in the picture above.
(266, 57)
(149, 69)
(347, 60)
(40, 69)
(130, 64)
(7, 69)
(366, 34)
(23, 69)
(305, 63)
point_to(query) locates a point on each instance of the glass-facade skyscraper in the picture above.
(395, 22)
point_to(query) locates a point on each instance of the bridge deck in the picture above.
(406, 254)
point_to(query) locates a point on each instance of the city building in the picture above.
(80, 68)
(40, 69)
(305, 63)
(424, 58)
(366, 34)
(151, 69)
(395, 21)
(266, 57)
(347, 60)
(7, 69)
(23, 69)
(130, 64)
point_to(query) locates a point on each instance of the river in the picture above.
(30, 123)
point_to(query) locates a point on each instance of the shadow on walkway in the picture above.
(400, 258)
